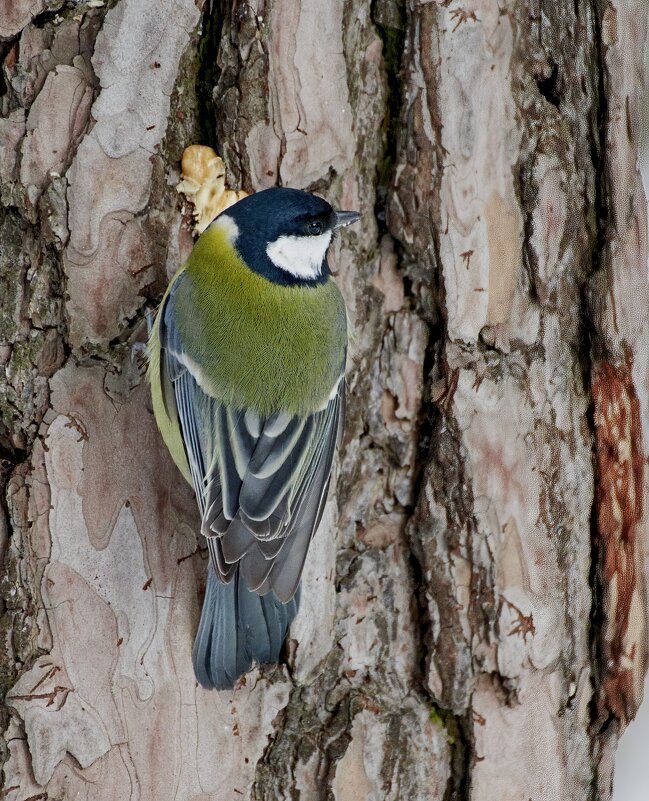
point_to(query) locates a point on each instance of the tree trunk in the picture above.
(473, 609)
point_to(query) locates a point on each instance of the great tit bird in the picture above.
(246, 365)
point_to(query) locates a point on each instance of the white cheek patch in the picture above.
(301, 256)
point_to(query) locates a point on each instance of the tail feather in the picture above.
(238, 628)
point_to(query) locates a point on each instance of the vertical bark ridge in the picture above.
(423, 280)
(619, 419)
(590, 302)
(33, 334)
(549, 62)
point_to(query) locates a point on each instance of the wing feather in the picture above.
(261, 483)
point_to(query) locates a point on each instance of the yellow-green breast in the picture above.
(257, 344)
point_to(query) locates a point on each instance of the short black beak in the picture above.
(344, 218)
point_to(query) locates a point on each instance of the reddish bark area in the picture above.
(619, 510)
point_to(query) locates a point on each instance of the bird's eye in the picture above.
(315, 227)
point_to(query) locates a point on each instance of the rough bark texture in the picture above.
(473, 614)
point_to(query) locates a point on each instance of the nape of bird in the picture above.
(246, 365)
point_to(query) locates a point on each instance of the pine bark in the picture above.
(473, 607)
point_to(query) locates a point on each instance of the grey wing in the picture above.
(261, 483)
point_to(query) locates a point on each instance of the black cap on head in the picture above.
(280, 212)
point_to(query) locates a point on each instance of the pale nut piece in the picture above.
(203, 184)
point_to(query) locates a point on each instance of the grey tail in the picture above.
(238, 627)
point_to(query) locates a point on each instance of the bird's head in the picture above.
(284, 234)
